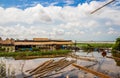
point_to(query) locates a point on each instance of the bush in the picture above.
(116, 50)
(35, 49)
(2, 49)
(37, 53)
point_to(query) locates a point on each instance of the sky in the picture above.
(60, 19)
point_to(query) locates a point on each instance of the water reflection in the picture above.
(104, 65)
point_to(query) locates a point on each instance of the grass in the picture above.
(37, 54)
(95, 45)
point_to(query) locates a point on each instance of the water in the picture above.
(105, 65)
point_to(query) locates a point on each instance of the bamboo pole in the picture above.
(101, 75)
(82, 58)
(102, 6)
(65, 65)
(47, 76)
(57, 67)
(41, 66)
(49, 68)
(116, 58)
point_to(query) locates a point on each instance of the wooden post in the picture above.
(101, 75)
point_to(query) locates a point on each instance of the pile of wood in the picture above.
(49, 67)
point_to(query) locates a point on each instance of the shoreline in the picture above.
(35, 57)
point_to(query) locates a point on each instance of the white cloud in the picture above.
(54, 3)
(60, 22)
(68, 2)
(113, 32)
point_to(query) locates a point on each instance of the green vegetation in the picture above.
(2, 49)
(37, 53)
(116, 46)
(92, 46)
(116, 50)
(35, 49)
(95, 45)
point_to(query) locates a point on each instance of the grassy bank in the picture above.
(95, 45)
(92, 46)
(34, 54)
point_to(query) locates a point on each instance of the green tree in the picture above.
(116, 46)
(116, 50)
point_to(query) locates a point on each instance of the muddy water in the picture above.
(105, 65)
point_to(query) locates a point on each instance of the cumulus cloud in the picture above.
(60, 22)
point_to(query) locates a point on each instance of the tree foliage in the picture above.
(116, 46)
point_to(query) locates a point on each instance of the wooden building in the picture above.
(11, 45)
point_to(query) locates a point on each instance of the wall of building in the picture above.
(9, 48)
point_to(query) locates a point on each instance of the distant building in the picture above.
(11, 45)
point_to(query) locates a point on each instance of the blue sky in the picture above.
(22, 4)
(60, 19)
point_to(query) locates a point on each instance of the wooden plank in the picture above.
(102, 6)
(101, 75)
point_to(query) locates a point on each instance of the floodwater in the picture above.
(104, 65)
